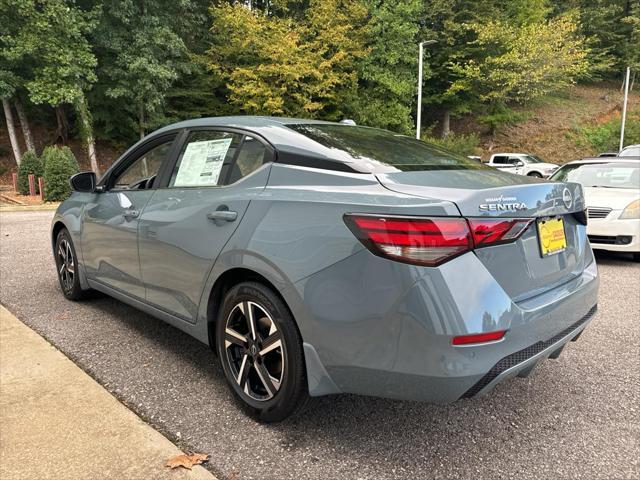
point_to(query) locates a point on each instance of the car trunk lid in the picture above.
(519, 266)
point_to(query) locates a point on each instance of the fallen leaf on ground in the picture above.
(187, 460)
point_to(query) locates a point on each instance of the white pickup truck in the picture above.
(522, 164)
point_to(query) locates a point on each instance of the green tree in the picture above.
(522, 62)
(284, 63)
(142, 51)
(52, 36)
(448, 23)
(388, 74)
(612, 30)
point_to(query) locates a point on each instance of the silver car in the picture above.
(319, 258)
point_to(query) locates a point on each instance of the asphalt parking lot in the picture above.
(575, 417)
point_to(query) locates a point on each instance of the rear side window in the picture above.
(250, 158)
(500, 159)
(384, 148)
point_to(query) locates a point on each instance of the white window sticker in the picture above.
(202, 162)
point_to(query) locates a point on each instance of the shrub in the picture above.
(461, 144)
(605, 137)
(30, 164)
(59, 165)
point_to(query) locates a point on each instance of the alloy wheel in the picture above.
(66, 265)
(254, 348)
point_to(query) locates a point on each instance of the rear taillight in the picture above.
(431, 241)
(421, 241)
(494, 231)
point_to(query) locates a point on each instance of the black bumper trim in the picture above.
(523, 355)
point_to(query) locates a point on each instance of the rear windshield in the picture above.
(604, 175)
(382, 147)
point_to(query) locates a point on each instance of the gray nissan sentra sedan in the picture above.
(319, 258)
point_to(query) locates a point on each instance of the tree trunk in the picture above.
(86, 132)
(11, 128)
(446, 123)
(141, 121)
(62, 130)
(24, 124)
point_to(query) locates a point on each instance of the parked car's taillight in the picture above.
(421, 241)
(494, 231)
(431, 241)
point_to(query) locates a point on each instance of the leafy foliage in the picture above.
(59, 165)
(605, 137)
(275, 66)
(461, 144)
(388, 74)
(522, 63)
(129, 66)
(30, 164)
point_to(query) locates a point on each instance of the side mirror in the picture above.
(519, 163)
(83, 182)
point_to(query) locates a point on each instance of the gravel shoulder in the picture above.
(575, 417)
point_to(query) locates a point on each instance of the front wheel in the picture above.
(534, 174)
(67, 266)
(261, 353)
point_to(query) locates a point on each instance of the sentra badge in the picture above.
(502, 204)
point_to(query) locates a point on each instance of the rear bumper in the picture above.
(523, 361)
(381, 328)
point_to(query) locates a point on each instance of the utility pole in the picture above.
(420, 57)
(624, 109)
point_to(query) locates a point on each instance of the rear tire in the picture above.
(534, 174)
(636, 257)
(260, 349)
(67, 266)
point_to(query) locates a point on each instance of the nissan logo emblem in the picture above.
(567, 198)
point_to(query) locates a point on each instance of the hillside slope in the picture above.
(549, 127)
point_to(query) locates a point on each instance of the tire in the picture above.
(67, 266)
(636, 257)
(264, 366)
(534, 174)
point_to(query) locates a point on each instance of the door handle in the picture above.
(129, 214)
(223, 215)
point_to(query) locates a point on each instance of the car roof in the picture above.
(510, 153)
(292, 147)
(588, 160)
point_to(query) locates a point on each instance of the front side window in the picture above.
(141, 174)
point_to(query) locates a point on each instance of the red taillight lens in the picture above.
(421, 241)
(478, 338)
(494, 231)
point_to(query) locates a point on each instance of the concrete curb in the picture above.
(56, 422)
(29, 208)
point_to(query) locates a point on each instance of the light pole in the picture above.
(419, 113)
(624, 109)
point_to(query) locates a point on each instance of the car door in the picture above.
(516, 164)
(501, 162)
(110, 224)
(186, 224)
